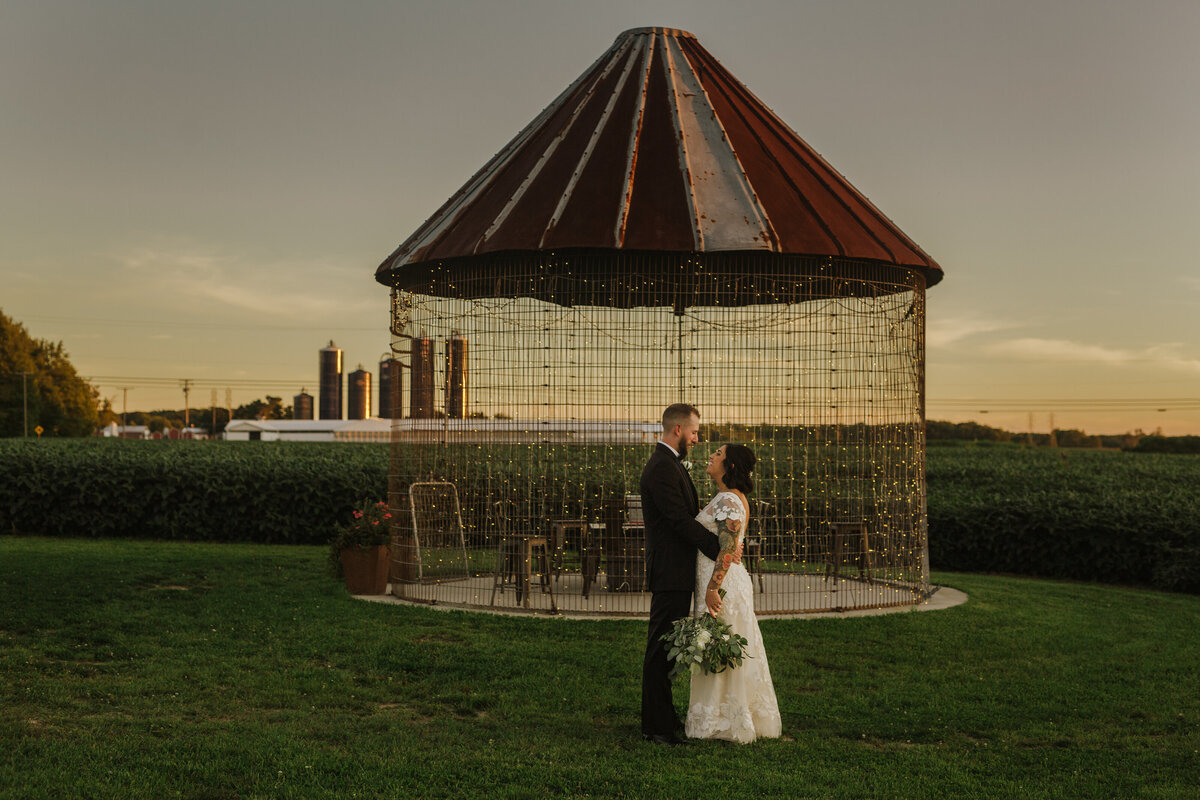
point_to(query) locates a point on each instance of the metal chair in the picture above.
(626, 553)
(752, 548)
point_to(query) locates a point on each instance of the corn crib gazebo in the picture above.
(655, 235)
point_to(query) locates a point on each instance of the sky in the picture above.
(204, 190)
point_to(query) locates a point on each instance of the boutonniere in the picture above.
(687, 465)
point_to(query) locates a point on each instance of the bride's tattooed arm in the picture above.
(729, 526)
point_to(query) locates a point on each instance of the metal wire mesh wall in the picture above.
(536, 392)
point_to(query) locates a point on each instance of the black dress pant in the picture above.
(658, 709)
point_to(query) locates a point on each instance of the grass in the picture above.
(156, 669)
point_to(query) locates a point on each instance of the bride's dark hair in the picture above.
(739, 465)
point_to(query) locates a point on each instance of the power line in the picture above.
(1077, 405)
(133, 323)
(238, 383)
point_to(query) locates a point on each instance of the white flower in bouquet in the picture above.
(703, 645)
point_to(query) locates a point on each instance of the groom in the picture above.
(669, 508)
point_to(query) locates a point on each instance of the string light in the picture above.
(816, 363)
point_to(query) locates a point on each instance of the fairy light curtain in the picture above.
(557, 372)
(656, 234)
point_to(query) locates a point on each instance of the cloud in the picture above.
(297, 290)
(945, 331)
(1064, 350)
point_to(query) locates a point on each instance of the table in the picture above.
(621, 545)
(850, 537)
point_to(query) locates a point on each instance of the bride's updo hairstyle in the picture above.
(739, 466)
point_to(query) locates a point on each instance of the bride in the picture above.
(737, 704)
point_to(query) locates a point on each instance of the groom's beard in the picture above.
(682, 448)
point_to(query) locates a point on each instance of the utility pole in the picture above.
(187, 387)
(1053, 438)
(124, 404)
(213, 402)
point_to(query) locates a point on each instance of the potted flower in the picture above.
(361, 548)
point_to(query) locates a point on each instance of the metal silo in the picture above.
(456, 376)
(391, 405)
(656, 234)
(421, 390)
(331, 382)
(302, 405)
(358, 404)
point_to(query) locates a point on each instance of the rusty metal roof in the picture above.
(657, 147)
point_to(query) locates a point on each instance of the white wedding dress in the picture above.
(738, 704)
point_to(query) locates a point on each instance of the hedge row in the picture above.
(1089, 515)
(1092, 515)
(294, 493)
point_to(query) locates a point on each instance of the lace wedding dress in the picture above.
(737, 704)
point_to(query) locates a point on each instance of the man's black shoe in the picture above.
(672, 740)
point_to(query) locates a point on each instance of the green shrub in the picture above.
(270, 492)
(1113, 517)
(1081, 514)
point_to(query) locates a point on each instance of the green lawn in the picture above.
(148, 669)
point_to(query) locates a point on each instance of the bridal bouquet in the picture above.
(703, 644)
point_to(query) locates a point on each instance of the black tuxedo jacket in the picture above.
(669, 507)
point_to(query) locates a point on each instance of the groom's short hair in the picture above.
(679, 414)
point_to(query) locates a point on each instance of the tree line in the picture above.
(40, 388)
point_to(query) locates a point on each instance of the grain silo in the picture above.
(391, 404)
(421, 390)
(302, 405)
(331, 382)
(657, 234)
(456, 376)
(358, 405)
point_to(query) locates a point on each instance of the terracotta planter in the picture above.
(365, 569)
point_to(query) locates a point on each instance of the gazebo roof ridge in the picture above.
(649, 31)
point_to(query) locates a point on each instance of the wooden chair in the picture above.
(514, 559)
(591, 546)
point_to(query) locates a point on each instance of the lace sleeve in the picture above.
(730, 512)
